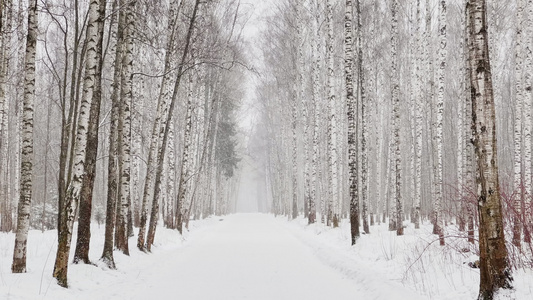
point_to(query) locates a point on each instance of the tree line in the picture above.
(118, 110)
(389, 111)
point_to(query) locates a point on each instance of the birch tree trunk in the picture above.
(495, 273)
(461, 137)
(389, 206)
(184, 174)
(124, 129)
(379, 174)
(518, 194)
(162, 106)
(171, 183)
(294, 140)
(527, 105)
(26, 162)
(305, 111)
(112, 168)
(396, 119)
(373, 115)
(429, 94)
(361, 86)
(5, 28)
(418, 118)
(412, 54)
(72, 196)
(317, 115)
(168, 117)
(136, 151)
(84, 221)
(438, 227)
(298, 96)
(332, 138)
(349, 57)
(468, 156)
(68, 128)
(5, 49)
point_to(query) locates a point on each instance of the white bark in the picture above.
(412, 107)
(294, 146)
(185, 159)
(26, 161)
(373, 117)
(316, 126)
(527, 110)
(162, 108)
(495, 272)
(364, 130)
(349, 57)
(80, 145)
(396, 119)
(429, 96)
(418, 117)
(136, 150)
(5, 50)
(332, 138)
(171, 178)
(438, 218)
(468, 154)
(518, 124)
(124, 131)
(305, 112)
(379, 170)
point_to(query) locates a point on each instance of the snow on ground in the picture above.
(415, 262)
(256, 256)
(134, 274)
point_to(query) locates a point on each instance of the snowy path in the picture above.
(243, 256)
(246, 256)
(250, 256)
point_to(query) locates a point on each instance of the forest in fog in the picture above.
(113, 109)
(127, 113)
(384, 123)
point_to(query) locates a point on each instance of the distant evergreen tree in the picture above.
(226, 143)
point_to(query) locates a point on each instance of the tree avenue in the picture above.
(356, 113)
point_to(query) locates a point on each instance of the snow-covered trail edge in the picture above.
(383, 286)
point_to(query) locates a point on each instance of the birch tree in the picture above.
(527, 124)
(112, 167)
(26, 162)
(352, 127)
(70, 99)
(167, 118)
(468, 168)
(84, 221)
(162, 104)
(495, 273)
(315, 44)
(5, 28)
(294, 146)
(305, 110)
(418, 117)
(396, 119)
(124, 128)
(171, 183)
(332, 126)
(519, 99)
(437, 210)
(6, 19)
(185, 163)
(361, 94)
(294, 109)
(80, 146)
